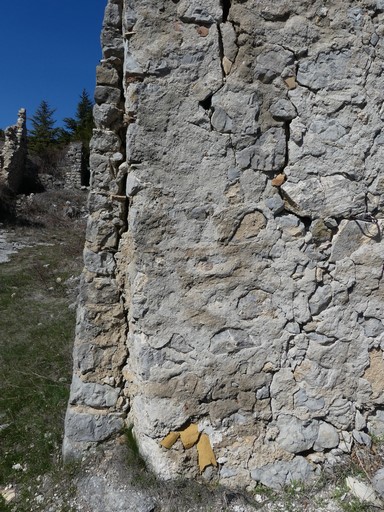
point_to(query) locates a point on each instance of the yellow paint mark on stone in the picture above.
(205, 453)
(170, 440)
(190, 436)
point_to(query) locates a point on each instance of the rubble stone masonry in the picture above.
(234, 253)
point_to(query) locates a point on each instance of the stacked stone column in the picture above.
(97, 407)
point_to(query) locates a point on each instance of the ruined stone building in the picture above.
(234, 254)
(73, 166)
(13, 154)
(17, 173)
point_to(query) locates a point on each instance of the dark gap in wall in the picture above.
(207, 103)
(306, 221)
(226, 5)
(221, 48)
(287, 137)
(85, 169)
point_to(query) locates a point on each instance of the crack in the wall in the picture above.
(221, 49)
(226, 5)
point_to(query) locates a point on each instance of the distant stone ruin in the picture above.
(72, 166)
(231, 307)
(18, 173)
(13, 155)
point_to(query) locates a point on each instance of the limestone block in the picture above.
(374, 374)
(362, 491)
(92, 394)
(376, 423)
(378, 477)
(321, 196)
(112, 42)
(233, 114)
(362, 438)
(275, 204)
(267, 154)
(196, 11)
(341, 413)
(373, 327)
(106, 116)
(279, 474)
(104, 141)
(327, 438)
(283, 109)
(133, 185)
(221, 121)
(131, 65)
(296, 436)
(99, 290)
(106, 74)
(85, 427)
(106, 94)
(112, 15)
(300, 32)
(85, 356)
(101, 263)
(129, 18)
(101, 234)
(271, 63)
(350, 236)
(332, 65)
(320, 299)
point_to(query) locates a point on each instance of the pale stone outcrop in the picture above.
(234, 254)
(13, 154)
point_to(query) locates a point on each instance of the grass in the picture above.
(37, 331)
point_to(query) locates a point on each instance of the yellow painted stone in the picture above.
(170, 440)
(205, 453)
(190, 436)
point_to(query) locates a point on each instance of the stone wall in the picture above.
(14, 153)
(234, 255)
(71, 165)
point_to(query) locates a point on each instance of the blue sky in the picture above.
(49, 51)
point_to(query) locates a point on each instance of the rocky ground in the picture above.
(116, 480)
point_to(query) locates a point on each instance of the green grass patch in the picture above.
(37, 331)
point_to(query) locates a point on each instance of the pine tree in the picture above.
(80, 127)
(43, 134)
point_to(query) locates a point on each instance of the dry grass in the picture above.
(37, 331)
